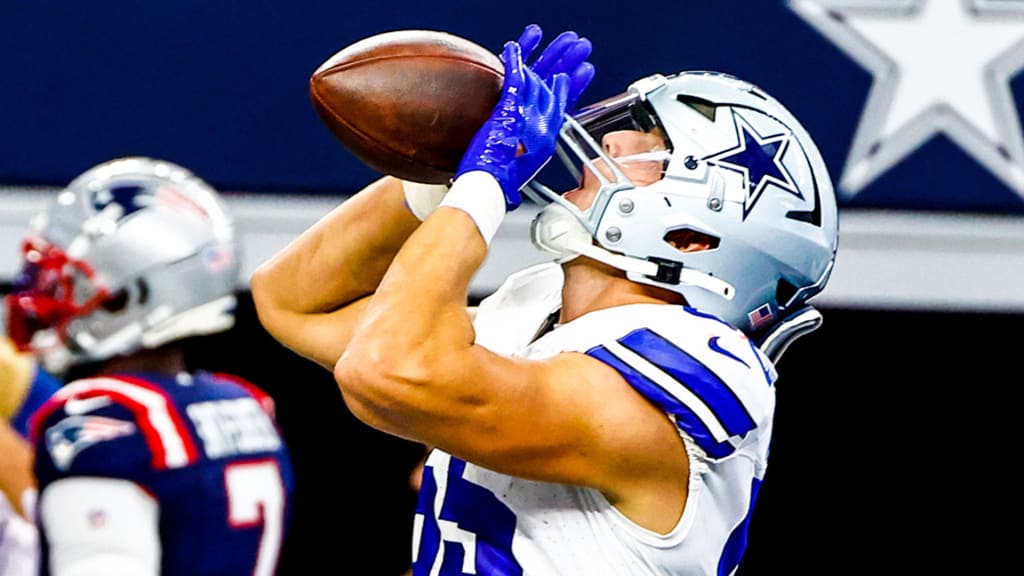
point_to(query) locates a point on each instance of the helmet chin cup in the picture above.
(557, 231)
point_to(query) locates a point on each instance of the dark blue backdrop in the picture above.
(222, 87)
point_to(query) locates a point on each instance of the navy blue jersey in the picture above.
(204, 446)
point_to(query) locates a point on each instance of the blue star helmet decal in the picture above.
(758, 159)
(130, 198)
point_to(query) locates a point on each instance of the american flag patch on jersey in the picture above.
(760, 317)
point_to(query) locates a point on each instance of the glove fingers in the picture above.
(551, 57)
(507, 117)
(551, 100)
(493, 147)
(579, 79)
(547, 106)
(560, 88)
(522, 133)
(511, 56)
(530, 39)
(575, 54)
(535, 91)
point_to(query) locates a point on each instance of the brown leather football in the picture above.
(408, 102)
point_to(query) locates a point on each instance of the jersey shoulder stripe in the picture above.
(703, 405)
(265, 400)
(154, 412)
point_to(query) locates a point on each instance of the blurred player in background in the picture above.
(19, 541)
(146, 465)
(609, 413)
(24, 387)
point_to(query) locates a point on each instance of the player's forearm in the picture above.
(339, 259)
(16, 472)
(431, 275)
(416, 332)
(16, 371)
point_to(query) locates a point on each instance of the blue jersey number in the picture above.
(473, 532)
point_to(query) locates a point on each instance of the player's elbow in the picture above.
(381, 386)
(269, 305)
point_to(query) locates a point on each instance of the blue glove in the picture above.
(567, 54)
(528, 116)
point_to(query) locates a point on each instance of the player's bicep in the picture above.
(562, 419)
(100, 526)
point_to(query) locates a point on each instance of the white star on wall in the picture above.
(939, 66)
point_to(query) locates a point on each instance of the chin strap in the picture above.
(557, 231)
(657, 269)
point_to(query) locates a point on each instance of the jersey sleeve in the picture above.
(716, 388)
(111, 428)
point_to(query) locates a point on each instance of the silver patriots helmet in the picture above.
(732, 164)
(132, 254)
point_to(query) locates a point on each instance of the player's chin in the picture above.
(583, 196)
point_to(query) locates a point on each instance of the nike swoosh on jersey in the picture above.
(714, 345)
(75, 406)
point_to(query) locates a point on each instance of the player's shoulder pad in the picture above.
(94, 423)
(538, 282)
(708, 376)
(265, 400)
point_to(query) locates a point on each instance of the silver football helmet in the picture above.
(719, 158)
(134, 253)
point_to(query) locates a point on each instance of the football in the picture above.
(408, 102)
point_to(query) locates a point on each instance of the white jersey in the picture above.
(19, 543)
(707, 376)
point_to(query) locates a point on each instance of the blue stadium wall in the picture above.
(914, 105)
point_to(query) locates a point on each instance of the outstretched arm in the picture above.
(309, 294)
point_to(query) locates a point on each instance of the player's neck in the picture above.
(167, 360)
(590, 286)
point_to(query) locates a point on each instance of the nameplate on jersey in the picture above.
(233, 427)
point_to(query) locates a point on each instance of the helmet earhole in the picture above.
(116, 302)
(143, 290)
